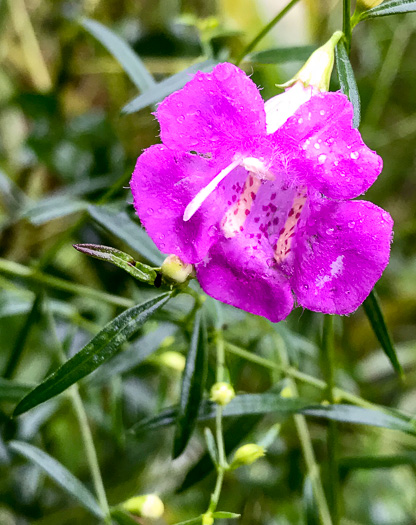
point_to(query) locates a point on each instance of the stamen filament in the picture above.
(203, 194)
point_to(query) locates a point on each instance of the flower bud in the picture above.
(286, 392)
(176, 270)
(207, 518)
(318, 68)
(222, 393)
(148, 506)
(246, 455)
(364, 5)
(173, 360)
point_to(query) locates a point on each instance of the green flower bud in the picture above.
(318, 68)
(246, 455)
(222, 393)
(173, 269)
(207, 518)
(286, 392)
(148, 506)
(173, 360)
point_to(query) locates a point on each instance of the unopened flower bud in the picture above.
(246, 455)
(148, 506)
(207, 518)
(286, 392)
(176, 270)
(318, 68)
(364, 5)
(173, 360)
(222, 393)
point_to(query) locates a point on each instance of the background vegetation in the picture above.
(66, 155)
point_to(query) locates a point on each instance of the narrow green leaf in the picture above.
(377, 462)
(123, 260)
(193, 383)
(392, 7)
(347, 80)
(52, 207)
(167, 86)
(13, 390)
(120, 225)
(223, 515)
(375, 315)
(281, 55)
(122, 52)
(59, 474)
(211, 445)
(104, 345)
(19, 345)
(309, 504)
(363, 416)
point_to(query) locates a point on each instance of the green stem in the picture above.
(249, 47)
(341, 395)
(332, 437)
(306, 445)
(346, 23)
(25, 272)
(85, 429)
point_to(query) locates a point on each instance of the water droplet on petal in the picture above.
(300, 120)
(351, 224)
(322, 112)
(330, 231)
(316, 145)
(321, 159)
(180, 119)
(212, 230)
(150, 211)
(354, 155)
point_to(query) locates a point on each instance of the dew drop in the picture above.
(354, 155)
(270, 262)
(212, 230)
(150, 211)
(351, 224)
(321, 159)
(180, 119)
(300, 121)
(330, 231)
(316, 145)
(322, 112)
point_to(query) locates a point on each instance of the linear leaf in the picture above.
(122, 52)
(52, 207)
(13, 390)
(281, 55)
(167, 86)
(123, 260)
(211, 445)
(392, 7)
(193, 383)
(95, 353)
(376, 462)
(59, 474)
(193, 521)
(122, 517)
(347, 81)
(375, 315)
(363, 416)
(223, 515)
(120, 225)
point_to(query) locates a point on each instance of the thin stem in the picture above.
(19, 270)
(341, 395)
(332, 436)
(85, 429)
(307, 448)
(249, 47)
(346, 23)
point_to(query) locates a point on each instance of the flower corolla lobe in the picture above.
(257, 196)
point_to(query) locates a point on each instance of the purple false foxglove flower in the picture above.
(258, 195)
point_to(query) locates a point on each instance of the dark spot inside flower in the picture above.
(247, 212)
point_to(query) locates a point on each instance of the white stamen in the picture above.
(203, 194)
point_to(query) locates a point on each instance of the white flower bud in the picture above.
(176, 270)
(148, 506)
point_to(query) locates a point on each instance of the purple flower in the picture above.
(257, 195)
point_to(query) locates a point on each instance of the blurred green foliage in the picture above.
(65, 146)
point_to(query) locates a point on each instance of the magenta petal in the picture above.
(340, 255)
(327, 152)
(163, 184)
(235, 274)
(212, 111)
